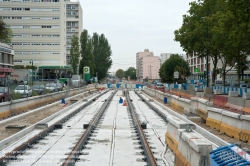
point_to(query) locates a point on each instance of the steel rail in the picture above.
(147, 151)
(19, 150)
(74, 154)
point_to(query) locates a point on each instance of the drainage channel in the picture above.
(149, 158)
(12, 156)
(81, 144)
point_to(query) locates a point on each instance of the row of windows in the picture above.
(71, 7)
(34, 26)
(30, 18)
(35, 44)
(73, 24)
(37, 52)
(31, 9)
(35, 35)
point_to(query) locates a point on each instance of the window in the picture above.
(26, 35)
(35, 0)
(35, 18)
(17, 35)
(16, 8)
(16, 44)
(26, 26)
(46, 18)
(35, 35)
(26, 44)
(6, 17)
(27, 9)
(35, 44)
(43, 26)
(55, 18)
(16, 18)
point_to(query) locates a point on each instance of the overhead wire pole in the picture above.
(207, 55)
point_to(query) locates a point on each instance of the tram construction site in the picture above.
(114, 127)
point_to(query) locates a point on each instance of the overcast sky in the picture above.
(133, 25)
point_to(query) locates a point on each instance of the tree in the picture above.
(74, 54)
(131, 72)
(102, 55)
(83, 42)
(120, 73)
(5, 32)
(174, 63)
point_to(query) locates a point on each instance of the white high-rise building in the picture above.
(42, 29)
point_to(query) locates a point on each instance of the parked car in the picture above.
(5, 94)
(59, 87)
(160, 86)
(39, 88)
(23, 90)
(51, 87)
(245, 85)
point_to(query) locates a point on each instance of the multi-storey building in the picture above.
(147, 65)
(42, 29)
(6, 62)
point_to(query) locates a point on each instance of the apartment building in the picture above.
(42, 29)
(147, 65)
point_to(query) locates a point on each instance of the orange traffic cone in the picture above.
(124, 103)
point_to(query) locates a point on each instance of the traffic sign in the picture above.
(176, 74)
(86, 70)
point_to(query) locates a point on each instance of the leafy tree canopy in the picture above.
(120, 73)
(130, 72)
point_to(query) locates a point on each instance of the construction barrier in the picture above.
(231, 124)
(171, 137)
(226, 121)
(214, 118)
(245, 131)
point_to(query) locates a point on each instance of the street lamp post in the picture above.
(31, 61)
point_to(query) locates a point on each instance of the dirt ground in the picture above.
(32, 119)
(214, 131)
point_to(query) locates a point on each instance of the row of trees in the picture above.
(130, 72)
(95, 52)
(221, 29)
(171, 65)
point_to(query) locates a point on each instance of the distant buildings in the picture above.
(42, 29)
(147, 65)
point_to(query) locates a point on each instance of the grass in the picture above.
(16, 96)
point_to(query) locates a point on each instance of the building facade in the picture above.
(42, 29)
(147, 65)
(6, 62)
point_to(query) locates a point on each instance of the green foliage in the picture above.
(131, 72)
(102, 55)
(16, 96)
(5, 33)
(74, 54)
(220, 29)
(19, 67)
(120, 73)
(83, 42)
(34, 93)
(30, 67)
(174, 63)
(96, 53)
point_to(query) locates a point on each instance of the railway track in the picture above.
(101, 131)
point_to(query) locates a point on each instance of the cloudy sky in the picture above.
(133, 25)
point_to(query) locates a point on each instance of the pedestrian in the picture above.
(66, 82)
